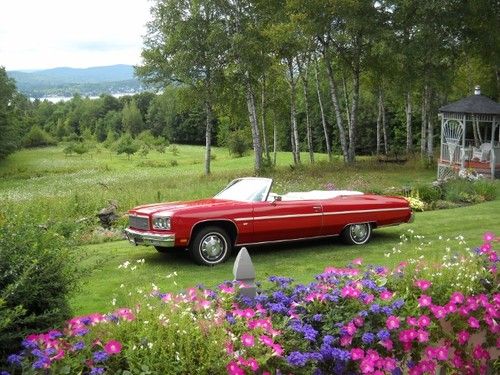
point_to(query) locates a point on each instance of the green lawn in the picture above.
(56, 188)
(298, 260)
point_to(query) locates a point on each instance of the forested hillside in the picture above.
(337, 76)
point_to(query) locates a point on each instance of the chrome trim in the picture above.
(364, 211)
(320, 214)
(150, 239)
(289, 240)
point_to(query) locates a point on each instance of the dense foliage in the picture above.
(339, 77)
(415, 318)
(37, 274)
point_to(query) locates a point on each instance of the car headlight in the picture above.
(161, 223)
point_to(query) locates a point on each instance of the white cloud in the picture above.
(37, 34)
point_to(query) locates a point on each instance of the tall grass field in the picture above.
(69, 191)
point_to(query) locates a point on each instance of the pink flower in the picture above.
(423, 284)
(422, 336)
(345, 340)
(442, 353)
(350, 328)
(368, 299)
(357, 354)
(412, 321)
(247, 340)
(385, 295)
(266, 340)
(457, 361)
(357, 261)
(439, 312)
(113, 347)
(473, 322)
(277, 350)
(392, 322)
(457, 298)
(253, 364)
(233, 369)
(463, 337)
(388, 344)
(366, 366)
(389, 363)
(424, 300)
(489, 236)
(424, 321)
(479, 353)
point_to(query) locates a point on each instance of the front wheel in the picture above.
(210, 246)
(357, 234)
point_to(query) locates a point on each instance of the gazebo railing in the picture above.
(452, 153)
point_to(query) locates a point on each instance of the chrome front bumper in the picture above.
(149, 239)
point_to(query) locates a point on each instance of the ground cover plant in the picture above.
(414, 318)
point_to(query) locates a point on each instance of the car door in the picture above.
(286, 220)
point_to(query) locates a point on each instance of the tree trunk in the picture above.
(379, 125)
(252, 115)
(305, 86)
(347, 101)
(423, 129)
(384, 123)
(263, 118)
(275, 143)
(208, 136)
(430, 128)
(336, 107)
(293, 114)
(323, 119)
(354, 115)
(409, 131)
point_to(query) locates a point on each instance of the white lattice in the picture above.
(452, 132)
(446, 172)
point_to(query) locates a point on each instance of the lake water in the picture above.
(57, 99)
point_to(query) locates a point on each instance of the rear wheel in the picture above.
(210, 246)
(357, 234)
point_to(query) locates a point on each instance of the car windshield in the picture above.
(246, 190)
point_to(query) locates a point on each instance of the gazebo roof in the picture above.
(474, 104)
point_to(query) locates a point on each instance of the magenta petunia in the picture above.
(473, 322)
(357, 354)
(386, 295)
(422, 284)
(357, 261)
(113, 347)
(247, 340)
(392, 322)
(424, 321)
(424, 300)
(457, 298)
(489, 236)
(233, 369)
(463, 337)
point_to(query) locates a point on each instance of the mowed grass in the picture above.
(300, 261)
(53, 187)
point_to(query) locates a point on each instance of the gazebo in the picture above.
(470, 136)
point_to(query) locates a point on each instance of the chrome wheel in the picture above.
(212, 246)
(357, 234)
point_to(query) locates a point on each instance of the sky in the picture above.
(41, 34)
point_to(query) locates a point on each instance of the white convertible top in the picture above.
(318, 194)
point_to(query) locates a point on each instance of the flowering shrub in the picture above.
(369, 320)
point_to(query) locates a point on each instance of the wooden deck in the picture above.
(480, 167)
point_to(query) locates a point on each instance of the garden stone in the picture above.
(244, 273)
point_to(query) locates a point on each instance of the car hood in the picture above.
(173, 207)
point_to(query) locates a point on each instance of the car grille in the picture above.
(138, 222)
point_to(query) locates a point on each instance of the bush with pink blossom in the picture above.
(351, 320)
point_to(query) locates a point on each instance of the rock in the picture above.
(107, 216)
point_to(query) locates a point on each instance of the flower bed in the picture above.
(415, 318)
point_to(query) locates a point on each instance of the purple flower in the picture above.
(368, 337)
(42, 362)
(309, 332)
(4, 373)
(100, 356)
(375, 308)
(328, 340)
(383, 334)
(297, 359)
(28, 344)
(278, 308)
(14, 359)
(230, 318)
(79, 345)
(397, 304)
(97, 371)
(317, 317)
(37, 353)
(386, 310)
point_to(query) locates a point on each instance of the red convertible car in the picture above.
(246, 212)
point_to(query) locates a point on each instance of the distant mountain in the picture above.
(68, 81)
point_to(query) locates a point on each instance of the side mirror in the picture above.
(276, 198)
